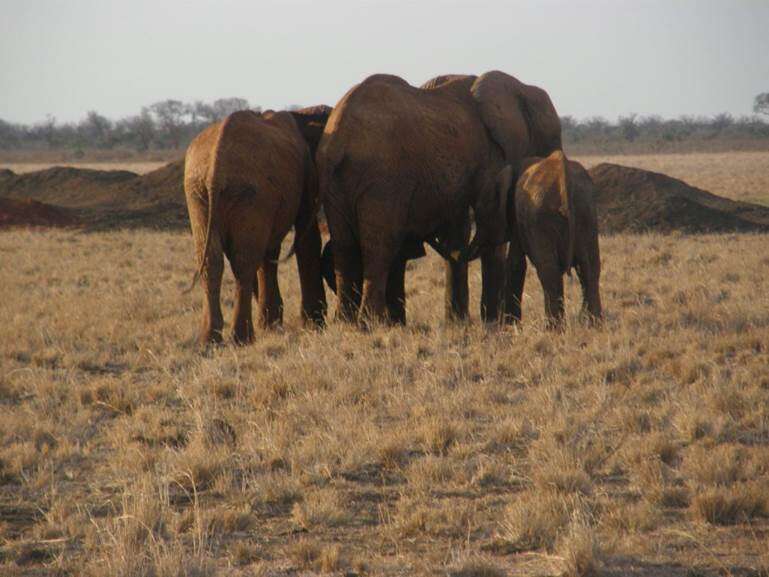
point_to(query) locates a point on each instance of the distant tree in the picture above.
(722, 121)
(597, 125)
(47, 130)
(202, 112)
(141, 129)
(225, 106)
(761, 104)
(170, 119)
(629, 127)
(95, 130)
(650, 126)
(10, 135)
(568, 123)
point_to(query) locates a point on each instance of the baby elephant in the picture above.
(248, 179)
(555, 218)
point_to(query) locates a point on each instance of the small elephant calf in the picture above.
(555, 219)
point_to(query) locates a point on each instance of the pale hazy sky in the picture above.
(594, 57)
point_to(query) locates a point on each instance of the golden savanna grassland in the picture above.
(639, 448)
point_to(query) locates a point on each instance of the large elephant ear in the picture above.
(520, 118)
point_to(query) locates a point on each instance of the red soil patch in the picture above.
(27, 212)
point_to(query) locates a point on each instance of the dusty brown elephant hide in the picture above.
(248, 179)
(399, 165)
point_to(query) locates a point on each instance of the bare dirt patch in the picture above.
(740, 176)
(106, 198)
(15, 212)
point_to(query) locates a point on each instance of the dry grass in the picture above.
(641, 447)
(737, 175)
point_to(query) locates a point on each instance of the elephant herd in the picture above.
(393, 166)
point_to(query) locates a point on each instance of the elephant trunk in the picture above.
(490, 216)
(471, 251)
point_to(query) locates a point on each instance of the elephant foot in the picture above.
(313, 322)
(456, 319)
(209, 336)
(243, 335)
(242, 341)
(591, 320)
(511, 320)
(555, 325)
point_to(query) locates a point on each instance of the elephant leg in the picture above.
(213, 321)
(549, 273)
(347, 262)
(589, 272)
(457, 292)
(244, 269)
(493, 277)
(270, 301)
(308, 262)
(457, 298)
(396, 292)
(373, 306)
(515, 276)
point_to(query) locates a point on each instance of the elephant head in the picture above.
(522, 122)
(311, 122)
(520, 118)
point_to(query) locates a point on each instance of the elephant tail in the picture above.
(566, 255)
(214, 184)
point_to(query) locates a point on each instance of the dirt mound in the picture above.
(65, 186)
(106, 198)
(635, 200)
(14, 212)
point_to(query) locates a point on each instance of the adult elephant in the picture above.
(521, 121)
(399, 165)
(248, 179)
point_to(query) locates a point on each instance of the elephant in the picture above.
(557, 228)
(523, 122)
(248, 179)
(520, 121)
(399, 165)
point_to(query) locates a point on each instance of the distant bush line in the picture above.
(165, 128)
(635, 134)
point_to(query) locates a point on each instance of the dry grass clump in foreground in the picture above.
(640, 447)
